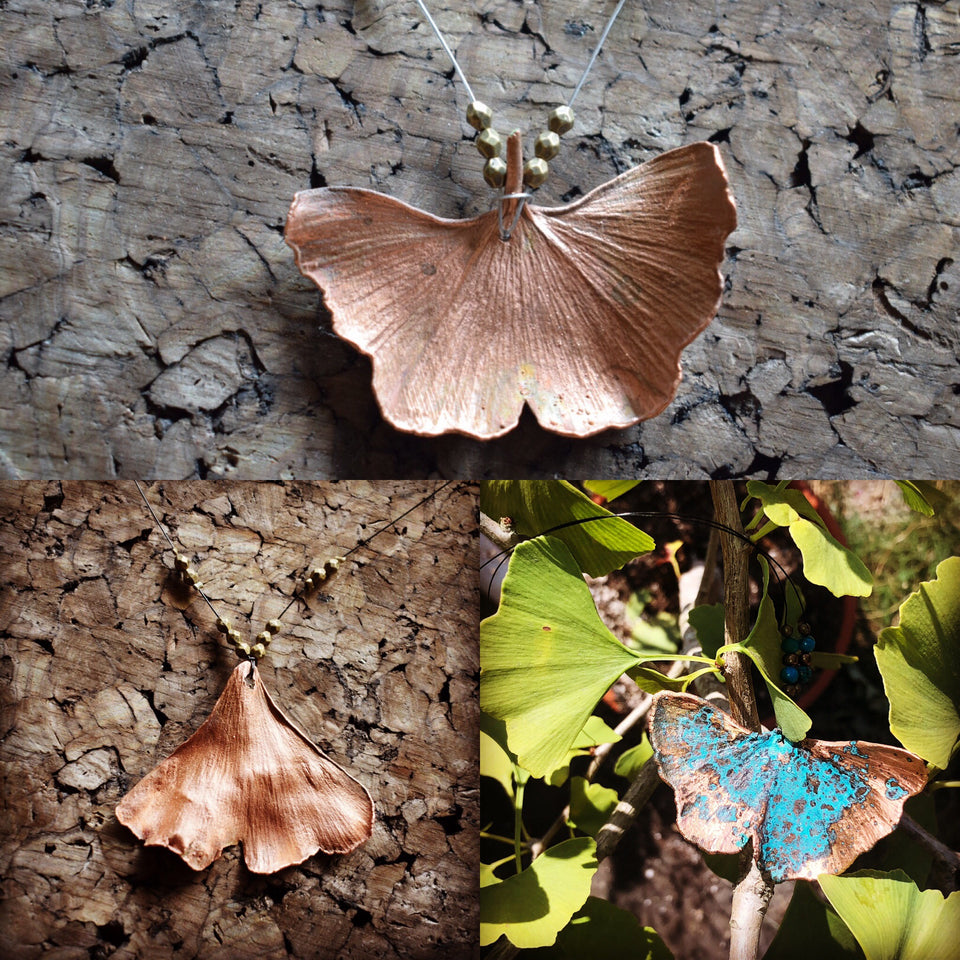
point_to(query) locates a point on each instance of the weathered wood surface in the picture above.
(156, 325)
(108, 665)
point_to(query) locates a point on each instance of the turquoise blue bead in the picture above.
(790, 645)
(789, 674)
(807, 644)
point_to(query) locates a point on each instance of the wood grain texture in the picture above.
(156, 323)
(108, 665)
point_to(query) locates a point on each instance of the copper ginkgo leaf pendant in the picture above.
(582, 313)
(248, 774)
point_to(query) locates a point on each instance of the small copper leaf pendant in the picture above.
(249, 775)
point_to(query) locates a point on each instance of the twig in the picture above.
(947, 860)
(625, 812)
(753, 891)
(736, 594)
(503, 538)
(751, 897)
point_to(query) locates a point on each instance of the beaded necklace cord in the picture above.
(315, 575)
(489, 143)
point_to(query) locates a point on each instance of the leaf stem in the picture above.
(521, 782)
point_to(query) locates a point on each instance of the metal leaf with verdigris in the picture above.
(809, 808)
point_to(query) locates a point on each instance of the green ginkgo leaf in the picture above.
(708, 620)
(532, 907)
(495, 762)
(782, 504)
(538, 506)
(828, 563)
(892, 918)
(610, 489)
(810, 929)
(632, 761)
(919, 661)
(594, 732)
(590, 805)
(763, 647)
(917, 496)
(602, 929)
(825, 560)
(545, 656)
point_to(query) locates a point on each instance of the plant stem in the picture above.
(736, 594)
(753, 891)
(520, 782)
(625, 812)
(751, 897)
(947, 860)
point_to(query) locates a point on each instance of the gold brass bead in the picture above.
(535, 173)
(192, 575)
(273, 626)
(258, 650)
(495, 172)
(489, 143)
(560, 120)
(223, 625)
(479, 115)
(243, 648)
(264, 637)
(180, 562)
(235, 637)
(547, 145)
(332, 565)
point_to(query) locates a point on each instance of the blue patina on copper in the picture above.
(809, 808)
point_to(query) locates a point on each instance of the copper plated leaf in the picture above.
(582, 313)
(248, 774)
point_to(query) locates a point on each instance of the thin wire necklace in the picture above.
(316, 574)
(489, 142)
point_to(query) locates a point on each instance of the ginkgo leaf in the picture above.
(919, 661)
(544, 665)
(582, 314)
(538, 507)
(808, 808)
(532, 907)
(248, 774)
(892, 918)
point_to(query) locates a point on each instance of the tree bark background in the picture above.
(109, 664)
(156, 325)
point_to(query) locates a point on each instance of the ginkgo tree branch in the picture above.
(753, 890)
(947, 860)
